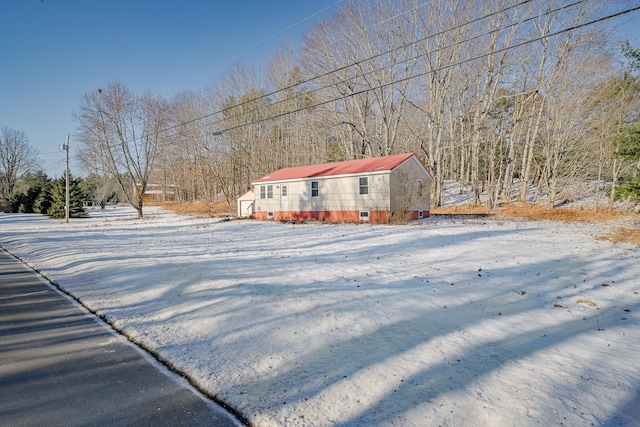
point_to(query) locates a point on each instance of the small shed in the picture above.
(246, 203)
(364, 190)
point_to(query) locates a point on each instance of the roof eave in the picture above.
(312, 178)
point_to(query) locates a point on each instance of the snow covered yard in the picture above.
(448, 321)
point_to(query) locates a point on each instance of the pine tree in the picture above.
(76, 199)
(42, 203)
(628, 144)
(32, 186)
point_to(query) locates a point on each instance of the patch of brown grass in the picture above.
(461, 210)
(200, 209)
(627, 234)
(623, 235)
(586, 301)
(531, 212)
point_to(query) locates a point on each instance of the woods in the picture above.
(525, 101)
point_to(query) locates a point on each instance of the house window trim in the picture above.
(362, 187)
(316, 189)
(266, 191)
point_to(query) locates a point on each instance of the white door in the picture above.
(246, 208)
(284, 198)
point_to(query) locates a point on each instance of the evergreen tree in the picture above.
(76, 199)
(632, 55)
(628, 144)
(17, 202)
(42, 203)
(29, 191)
(627, 141)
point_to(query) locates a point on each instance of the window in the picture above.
(269, 214)
(420, 214)
(266, 191)
(314, 189)
(364, 215)
(283, 191)
(364, 185)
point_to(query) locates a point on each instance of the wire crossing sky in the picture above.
(55, 51)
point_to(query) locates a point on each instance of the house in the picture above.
(375, 190)
(156, 193)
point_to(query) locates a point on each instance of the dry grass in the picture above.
(200, 209)
(586, 301)
(531, 212)
(623, 235)
(627, 234)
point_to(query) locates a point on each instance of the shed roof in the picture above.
(377, 164)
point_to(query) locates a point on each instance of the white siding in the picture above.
(411, 185)
(340, 193)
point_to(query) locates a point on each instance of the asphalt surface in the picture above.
(62, 366)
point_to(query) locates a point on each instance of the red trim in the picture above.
(375, 217)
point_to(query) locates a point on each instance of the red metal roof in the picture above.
(376, 164)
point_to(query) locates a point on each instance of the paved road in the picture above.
(62, 366)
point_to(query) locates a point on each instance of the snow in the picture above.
(448, 321)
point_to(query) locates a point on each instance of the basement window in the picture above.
(364, 215)
(420, 214)
(270, 215)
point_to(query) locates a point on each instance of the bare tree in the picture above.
(185, 161)
(366, 61)
(240, 130)
(295, 136)
(488, 92)
(120, 135)
(17, 157)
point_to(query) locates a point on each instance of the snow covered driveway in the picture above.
(446, 321)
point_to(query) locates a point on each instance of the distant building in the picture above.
(157, 193)
(374, 190)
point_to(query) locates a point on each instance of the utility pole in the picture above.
(66, 190)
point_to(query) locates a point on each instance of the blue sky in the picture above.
(54, 51)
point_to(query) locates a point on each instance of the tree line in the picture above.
(37, 193)
(515, 100)
(25, 188)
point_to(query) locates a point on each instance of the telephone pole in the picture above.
(66, 190)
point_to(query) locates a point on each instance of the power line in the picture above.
(266, 39)
(517, 45)
(265, 96)
(52, 166)
(310, 92)
(306, 93)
